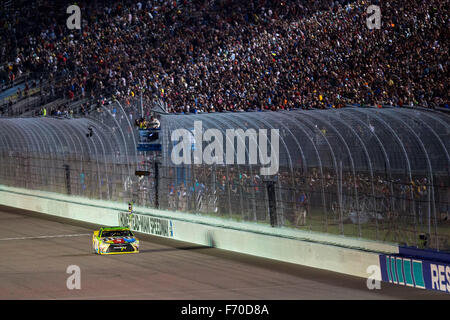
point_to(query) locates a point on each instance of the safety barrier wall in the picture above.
(333, 253)
(406, 266)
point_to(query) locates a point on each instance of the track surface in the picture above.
(36, 250)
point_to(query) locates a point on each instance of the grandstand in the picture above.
(214, 56)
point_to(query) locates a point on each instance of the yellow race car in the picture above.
(114, 240)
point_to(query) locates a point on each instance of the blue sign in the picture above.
(149, 140)
(413, 271)
(149, 147)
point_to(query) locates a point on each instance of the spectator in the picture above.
(207, 56)
(154, 123)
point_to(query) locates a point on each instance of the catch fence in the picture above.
(380, 174)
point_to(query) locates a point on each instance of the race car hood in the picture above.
(118, 240)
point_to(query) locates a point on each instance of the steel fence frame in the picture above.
(380, 174)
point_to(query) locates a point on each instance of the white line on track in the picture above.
(46, 237)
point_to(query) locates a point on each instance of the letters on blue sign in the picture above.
(440, 277)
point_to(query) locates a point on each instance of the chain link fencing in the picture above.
(380, 174)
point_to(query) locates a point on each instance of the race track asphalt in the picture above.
(37, 249)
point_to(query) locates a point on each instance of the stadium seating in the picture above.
(213, 56)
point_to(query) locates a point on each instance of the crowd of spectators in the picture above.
(362, 198)
(214, 56)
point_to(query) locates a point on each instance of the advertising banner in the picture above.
(414, 271)
(146, 224)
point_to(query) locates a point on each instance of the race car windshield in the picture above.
(117, 233)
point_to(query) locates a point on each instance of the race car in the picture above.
(114, 240)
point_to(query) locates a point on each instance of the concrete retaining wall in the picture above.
(333, 253)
